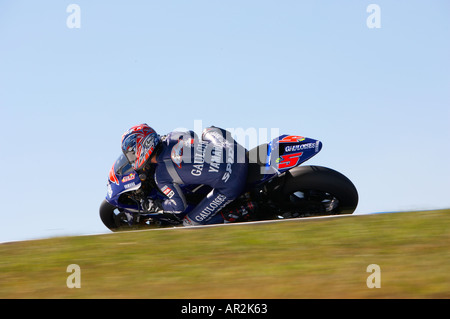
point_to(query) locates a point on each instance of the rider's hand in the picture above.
(152, 206)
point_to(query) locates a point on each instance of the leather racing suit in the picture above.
(215, 160)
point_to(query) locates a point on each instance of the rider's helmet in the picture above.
(138, 144)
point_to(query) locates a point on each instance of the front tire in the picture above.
(108, 216)
(316, 191)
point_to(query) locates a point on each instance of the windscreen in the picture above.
(122, 166)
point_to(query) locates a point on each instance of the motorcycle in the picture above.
(277, 185)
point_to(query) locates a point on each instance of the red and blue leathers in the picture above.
(215, 160)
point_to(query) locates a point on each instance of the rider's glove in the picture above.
(152, 206)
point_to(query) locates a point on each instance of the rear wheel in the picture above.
(316, 191)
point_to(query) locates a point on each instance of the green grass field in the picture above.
(316, 258)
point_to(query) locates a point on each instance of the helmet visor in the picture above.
(129, 149)
(131, 156)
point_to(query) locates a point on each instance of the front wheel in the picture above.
(109, 217)
(118, 220)
(316, 191)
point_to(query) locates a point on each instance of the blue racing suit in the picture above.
(215, 160)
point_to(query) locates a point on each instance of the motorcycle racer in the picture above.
(181, 158)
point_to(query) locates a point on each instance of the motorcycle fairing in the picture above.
(122, 178)
(288, 151)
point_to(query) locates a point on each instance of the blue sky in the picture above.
(378, 98)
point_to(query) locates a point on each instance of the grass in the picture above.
(317, 258)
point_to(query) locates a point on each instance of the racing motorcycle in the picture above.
(277, 186)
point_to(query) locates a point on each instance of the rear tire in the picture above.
(317, 190)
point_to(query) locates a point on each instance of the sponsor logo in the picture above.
(292, 139)
(129, 185)
(216, 159)
(299, 147)
(230, 161)
(128, 178)
(109, 190)
(168, 191)
(199, 159)
(217, 204)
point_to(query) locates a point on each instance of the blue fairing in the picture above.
(288, 151)
(122, 178)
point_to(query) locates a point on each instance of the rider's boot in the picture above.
(239, 214)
